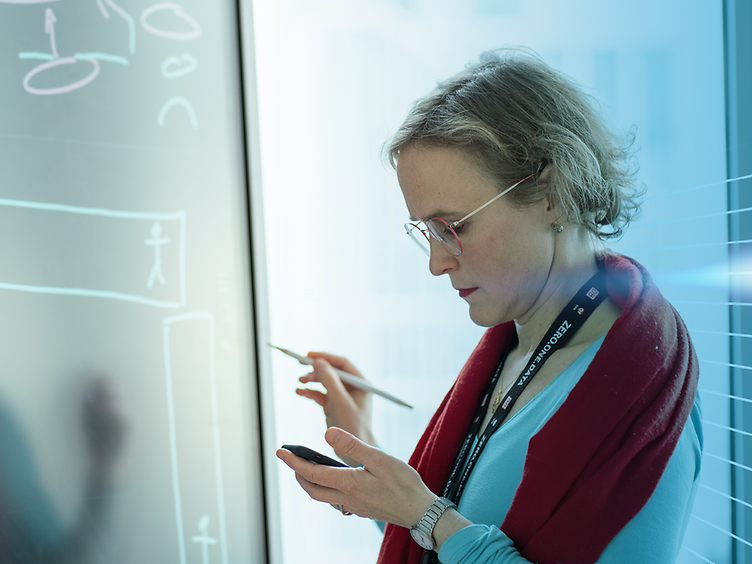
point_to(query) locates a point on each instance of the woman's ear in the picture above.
(553, 205)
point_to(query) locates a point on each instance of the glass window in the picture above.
(336, 79)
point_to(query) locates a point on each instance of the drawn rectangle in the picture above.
(93, 252)
(195, 448)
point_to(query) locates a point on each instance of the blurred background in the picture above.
(334, 81)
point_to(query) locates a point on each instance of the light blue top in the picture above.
(654, 535)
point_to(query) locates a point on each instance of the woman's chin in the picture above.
(482, 317)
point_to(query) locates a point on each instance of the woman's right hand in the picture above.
(344, 406)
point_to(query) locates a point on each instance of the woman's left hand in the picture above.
(384, 488)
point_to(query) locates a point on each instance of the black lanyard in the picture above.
(571, 318)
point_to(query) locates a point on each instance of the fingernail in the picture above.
(332, 435)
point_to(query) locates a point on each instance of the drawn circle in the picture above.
(60, 89)
(180, 13)
(181, 69)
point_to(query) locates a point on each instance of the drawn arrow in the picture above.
(49, 28)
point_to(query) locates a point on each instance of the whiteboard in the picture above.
(129, 428)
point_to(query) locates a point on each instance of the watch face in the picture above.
(424, 540)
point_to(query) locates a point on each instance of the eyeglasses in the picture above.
(446, 233)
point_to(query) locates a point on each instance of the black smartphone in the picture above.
(313, 456)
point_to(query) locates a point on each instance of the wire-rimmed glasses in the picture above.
(443, 231)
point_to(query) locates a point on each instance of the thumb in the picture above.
(350, 446)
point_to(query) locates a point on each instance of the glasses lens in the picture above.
(445, 235)
(419, 236)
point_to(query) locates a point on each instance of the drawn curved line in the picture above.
(102, 9)
(126, 16)
(181, 70)
(103, 57)
(180, 13)
(36, 55)
(60, 89)
(178, 101)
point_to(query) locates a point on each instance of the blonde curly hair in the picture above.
(515, 115)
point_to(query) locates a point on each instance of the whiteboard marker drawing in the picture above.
(36, 55)
(78, 56)
(53, 60)
(49, 29)
(102, 57)
(173, 444)
(126, 16)
(178, 11)
(175, 67)
(204, 539)
(177, 101)
(156, 241)
(87, 229)
(61, 89)
(178, 380)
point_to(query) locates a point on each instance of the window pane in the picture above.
(337, 78)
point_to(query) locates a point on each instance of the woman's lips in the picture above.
(466, 292)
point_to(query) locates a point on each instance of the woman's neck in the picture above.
(573, 265)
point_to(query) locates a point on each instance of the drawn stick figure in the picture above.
(204, 539)
(156, 241)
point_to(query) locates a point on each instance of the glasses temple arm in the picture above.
(488, 203)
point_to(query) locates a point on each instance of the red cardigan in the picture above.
(616, 430)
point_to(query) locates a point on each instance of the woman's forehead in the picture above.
(441, 182)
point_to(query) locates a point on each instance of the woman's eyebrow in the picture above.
(443, 214)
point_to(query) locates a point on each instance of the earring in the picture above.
(557, 227)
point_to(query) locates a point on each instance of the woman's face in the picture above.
(507, 253)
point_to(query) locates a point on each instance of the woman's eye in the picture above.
(459, 228)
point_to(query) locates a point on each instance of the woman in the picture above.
(571, 435)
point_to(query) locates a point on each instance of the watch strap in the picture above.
(429, 520)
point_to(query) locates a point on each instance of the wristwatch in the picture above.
(422, 533)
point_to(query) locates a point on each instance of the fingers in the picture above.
(336, 361)
(327, 377)
(317, 491)
(315, 395)
(311, 476)
(394, 493)
(325, 373)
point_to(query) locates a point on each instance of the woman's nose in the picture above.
(441, 260)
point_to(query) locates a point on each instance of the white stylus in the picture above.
(346, 377)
